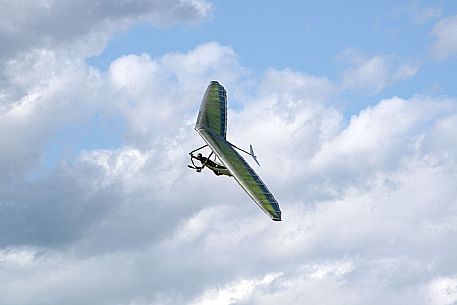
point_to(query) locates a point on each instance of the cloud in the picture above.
(234, 293)
(373, 74)
(445, 34)
(443, 290)
(44, 24)
(45, 39)
(369, 202)
(381, 135)
(341, 281)
(158, 92)
(135, 221)
(154, 143)
(39, 102)
(46, 85)
(419, 15)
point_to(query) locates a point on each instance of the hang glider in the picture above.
(212, 127)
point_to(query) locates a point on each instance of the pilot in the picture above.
(209, 163)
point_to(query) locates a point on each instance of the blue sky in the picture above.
(351, 108)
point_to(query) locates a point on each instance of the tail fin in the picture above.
(253, 155)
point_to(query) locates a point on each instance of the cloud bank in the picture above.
(368, 201)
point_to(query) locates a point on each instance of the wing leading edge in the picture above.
(211, 126)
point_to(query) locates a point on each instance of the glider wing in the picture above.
(213, 110)
(211, 125)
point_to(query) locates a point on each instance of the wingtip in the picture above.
(276, 217)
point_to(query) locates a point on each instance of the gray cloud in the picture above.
(44, 24)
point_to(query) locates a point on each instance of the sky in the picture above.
(351, 108)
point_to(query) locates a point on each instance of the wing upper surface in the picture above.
(212, 127)
(213, 110)
(243, 174)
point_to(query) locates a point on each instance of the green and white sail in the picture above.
(212, 127)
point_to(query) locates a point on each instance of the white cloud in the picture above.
(158, 92)
(147, 94)
(363, 282)
(445, 34)
(443, 291)
(285, 120)
(373, 74)
(235, 292)
(53, 93)
(16, 257)
(441, 137)
(380, 136)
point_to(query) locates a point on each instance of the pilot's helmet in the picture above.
(199, 156)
